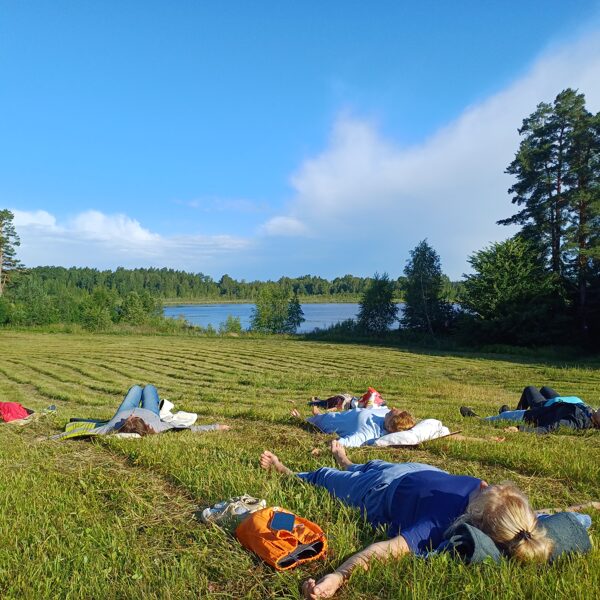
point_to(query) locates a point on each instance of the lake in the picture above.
(316, 315)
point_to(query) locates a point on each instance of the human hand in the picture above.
(325, 588)
(511, 429)
(223, 427)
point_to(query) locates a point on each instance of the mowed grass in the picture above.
(115, 519)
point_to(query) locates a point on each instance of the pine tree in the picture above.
(377, 310)
(425, 309)
(9, 240)
(557, 170)
(295, 316)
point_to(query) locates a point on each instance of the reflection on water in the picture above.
(316, 315)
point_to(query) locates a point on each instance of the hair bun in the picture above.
(522, 535)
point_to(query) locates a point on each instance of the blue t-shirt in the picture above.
(425, 503)
(565, 399)
(355, 427)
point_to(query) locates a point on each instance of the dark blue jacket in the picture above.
(548, 418)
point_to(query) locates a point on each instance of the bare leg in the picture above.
(270, 461)
(463, 438)
(575, 508)
(315, 410)
(339, 453)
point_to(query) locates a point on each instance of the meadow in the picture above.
(115, 518)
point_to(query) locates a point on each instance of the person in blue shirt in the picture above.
(360, 426)
(416, 503)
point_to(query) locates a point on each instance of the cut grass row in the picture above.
(114, 519)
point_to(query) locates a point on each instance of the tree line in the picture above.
(541, 286)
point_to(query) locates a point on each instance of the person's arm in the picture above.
(327, 586)
(204, 428)
(355, 440)
(576, 508)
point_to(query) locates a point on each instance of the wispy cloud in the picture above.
(95, 239)
(284, 226)
(451, 188)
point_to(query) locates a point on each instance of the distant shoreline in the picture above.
(303, 300)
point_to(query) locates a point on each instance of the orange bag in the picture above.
(280, 548)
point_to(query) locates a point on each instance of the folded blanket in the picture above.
(12, 411)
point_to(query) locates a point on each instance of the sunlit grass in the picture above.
(114, 518)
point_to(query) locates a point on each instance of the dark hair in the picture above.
(136, 425)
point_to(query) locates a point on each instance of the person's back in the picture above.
(355, 427)
(559, 414)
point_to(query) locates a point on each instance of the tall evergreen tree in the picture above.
(377, 309)
(295, 316)
(557, 170)
(9, 240)
(425, 309)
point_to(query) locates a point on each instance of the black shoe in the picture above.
(465, 411)
(504, 408)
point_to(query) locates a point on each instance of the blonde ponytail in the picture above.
(503, 512)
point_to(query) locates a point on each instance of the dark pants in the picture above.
(534, 398)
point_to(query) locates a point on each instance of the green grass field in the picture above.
(115, 518)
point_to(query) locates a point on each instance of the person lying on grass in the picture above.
(371, 399)
(421, 501)
(360, 426)
(544, 410)
(364, 426)
(139, 414)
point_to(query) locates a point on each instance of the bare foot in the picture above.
(339, 453)
(295, 413)
(316, 451)
(268, 461)
(315, 410)
(511, 429)
(497, 439)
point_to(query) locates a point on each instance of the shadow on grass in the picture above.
(448, 346)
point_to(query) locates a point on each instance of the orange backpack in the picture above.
(281, 549)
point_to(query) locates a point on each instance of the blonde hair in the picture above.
(503, 512)
(400, 421)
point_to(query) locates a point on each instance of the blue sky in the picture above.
(274, 138)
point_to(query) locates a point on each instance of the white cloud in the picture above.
(36, 218)
(95, 239)
(451, 188)
(95, 225)
(285, 226)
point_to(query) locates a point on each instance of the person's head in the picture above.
(134, 424)
(503, 512)
(595, 416)
(398, 420)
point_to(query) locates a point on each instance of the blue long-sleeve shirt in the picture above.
(356, 427)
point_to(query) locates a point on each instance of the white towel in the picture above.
(178, 419)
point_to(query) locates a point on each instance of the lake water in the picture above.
(316, 315)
